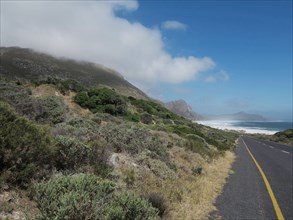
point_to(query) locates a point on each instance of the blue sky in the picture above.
(219, 56)
(250, 40)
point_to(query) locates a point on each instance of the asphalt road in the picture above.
(245, 196)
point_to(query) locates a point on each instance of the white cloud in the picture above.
(173, 25)
(221, 76)
(211, 79)
(91, 31)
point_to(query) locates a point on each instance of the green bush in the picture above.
(72, 154)
(133, 140)
(129, 206)
(146, 118)
(73, 197)
(19, 98)
(86, 197)
(159, 168)
(285, 134)
(70, 84)
(49, 109)
(82, 99)
(82, 129)
(132, 117)
(102, 100)
(197, 147)
(54, 109)
(24, 148)
(62, 85)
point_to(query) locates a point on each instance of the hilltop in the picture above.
(69, 129)
(20, 63)
(180, 107)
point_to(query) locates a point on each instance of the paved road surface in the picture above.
(246, 196)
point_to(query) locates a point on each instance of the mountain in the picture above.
(181, 108)
(20, 63)
(239, 116)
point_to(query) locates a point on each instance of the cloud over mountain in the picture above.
(92, 31)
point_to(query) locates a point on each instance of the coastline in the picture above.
(229, 126)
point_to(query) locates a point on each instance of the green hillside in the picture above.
(70, 149)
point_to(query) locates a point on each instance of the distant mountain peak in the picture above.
(180, 107)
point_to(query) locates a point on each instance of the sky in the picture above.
(221, 57)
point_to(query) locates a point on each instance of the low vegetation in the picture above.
(82, 196)
(102, 100)
(26, 148)
(126, 158)
(284, 137)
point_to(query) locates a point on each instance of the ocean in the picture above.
(249, 127)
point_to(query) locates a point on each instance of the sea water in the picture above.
(249, 127)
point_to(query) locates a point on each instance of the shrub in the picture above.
(106, 117)
(82, 99)
(128, 176)
(78, 128)
(84, 123)
(19, 98)
(102, 100)
(129, 206)
(197, 147)
(133, 140)
(62, 85)
(72, 154)
(73, 197)
(70, 84)
(86, 197)
(54, 109)
(49, 109)
(146, 118)
(25, 147)
(196, 170)
(132, 117)
(157, 201)
(160, 168)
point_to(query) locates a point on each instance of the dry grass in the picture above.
(197, 201)
(190, 196)
(49, 90)
(16, 205)
(74, 108)
(44, 90)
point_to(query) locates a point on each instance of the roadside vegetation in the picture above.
(284, 137)
(91, 153)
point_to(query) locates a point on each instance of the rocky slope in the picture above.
(181, 108)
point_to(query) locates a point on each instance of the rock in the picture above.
(114, 159)
(180, 107)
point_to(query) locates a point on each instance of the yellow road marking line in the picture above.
(269, 188)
